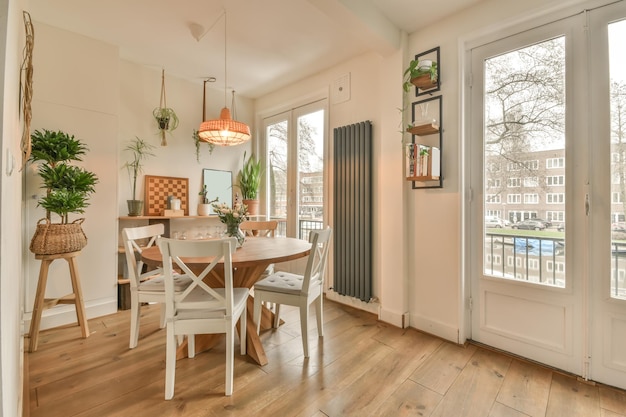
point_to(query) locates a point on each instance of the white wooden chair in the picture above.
(200, 309)
(259, 228)
(265, 228)
(145, 287)
(298, 290)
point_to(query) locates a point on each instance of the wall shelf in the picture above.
(424, 152)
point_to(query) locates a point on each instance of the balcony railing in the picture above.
(525, 258)
(542, 260)
(304, 227)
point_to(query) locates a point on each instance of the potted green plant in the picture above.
(167, 120)
(140, 151)
(249, 183)
(68, 189)
(204, 204)
(166, 117)
(422, 74)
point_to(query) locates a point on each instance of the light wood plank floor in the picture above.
(361, 367)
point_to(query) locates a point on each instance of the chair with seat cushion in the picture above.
(298, 290)
(260, 229)
(201, 309)
(145, 286)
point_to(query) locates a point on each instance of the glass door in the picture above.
(548, 228)
(296, 174)
(526, 164)
(607, 269)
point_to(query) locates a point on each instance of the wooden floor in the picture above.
(361, 367)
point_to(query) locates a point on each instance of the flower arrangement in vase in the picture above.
(232, 217)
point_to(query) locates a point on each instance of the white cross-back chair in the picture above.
(260, 228)
(298, 290)
(265, 228)
(201, 309)
(145, 286)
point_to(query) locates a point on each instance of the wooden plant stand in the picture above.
(42, 303)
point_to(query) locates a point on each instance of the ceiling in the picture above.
(269, 43)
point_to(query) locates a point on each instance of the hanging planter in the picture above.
(166, 118)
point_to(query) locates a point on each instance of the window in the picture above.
(294, 155)
(555, 216)
(616, 197)
(555, 198)
(514, 198)
(493, 183)
(514, 182)
(531, 182)
(493, 198)
(555, 180)
(531, 198)
(552, 163)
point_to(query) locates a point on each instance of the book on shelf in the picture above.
(410, 160)
(435, 157)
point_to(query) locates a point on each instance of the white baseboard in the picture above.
(372, 307)
(436, 328)
(394, 318)
(62, 315)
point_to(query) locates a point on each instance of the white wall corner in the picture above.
(393, 317)
(436, 328)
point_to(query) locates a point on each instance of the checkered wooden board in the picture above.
(157, 190)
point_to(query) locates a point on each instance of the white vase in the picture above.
(204, 209)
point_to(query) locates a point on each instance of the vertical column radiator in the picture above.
(352, 203)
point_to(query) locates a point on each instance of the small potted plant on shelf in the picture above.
(422, 74)
(140, 151)
(249, 183)
(68, 189)
(204, 205)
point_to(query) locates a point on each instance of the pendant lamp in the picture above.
(224, 131)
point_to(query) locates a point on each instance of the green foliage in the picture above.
(197, 142)
(67, 187)
(250, 178)
(140, 151)
(166, 118)
(53, 147)
(414, 71)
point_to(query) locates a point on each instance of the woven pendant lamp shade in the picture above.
(224, 131)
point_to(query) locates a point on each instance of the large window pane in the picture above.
(310, 173)
(524, 164)
(276, 135)
(617, 34)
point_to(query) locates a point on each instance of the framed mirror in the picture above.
(219, 184)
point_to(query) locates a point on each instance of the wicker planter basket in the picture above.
(55, 238)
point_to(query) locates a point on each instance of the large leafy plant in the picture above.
(68, 187)
(250, 177)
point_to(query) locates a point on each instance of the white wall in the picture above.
(437, 291)
(373, 96)
(11, 285)
(83, 88)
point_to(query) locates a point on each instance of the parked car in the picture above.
(547, 223)
(494, 221)
(561, 227)
(529, 224)
(618, 227)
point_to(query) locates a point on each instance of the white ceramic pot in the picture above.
(204, 209)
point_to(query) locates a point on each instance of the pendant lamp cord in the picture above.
(225, 55)
(163, 103)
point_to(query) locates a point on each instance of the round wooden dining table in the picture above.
(249, 263)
